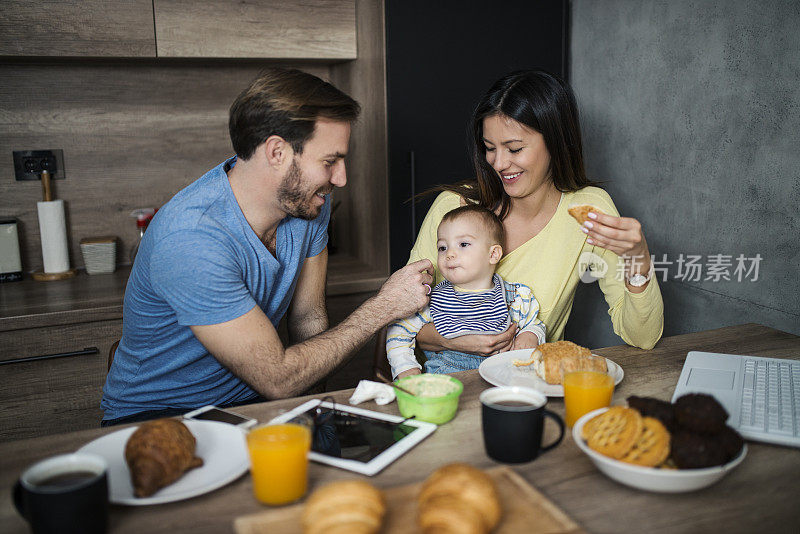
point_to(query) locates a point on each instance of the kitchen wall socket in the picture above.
(29, 164)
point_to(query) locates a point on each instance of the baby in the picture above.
(472, 299)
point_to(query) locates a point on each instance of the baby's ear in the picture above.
(495, 253)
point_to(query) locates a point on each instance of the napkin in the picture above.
(368, 390)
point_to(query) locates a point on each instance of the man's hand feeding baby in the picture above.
(405, 292)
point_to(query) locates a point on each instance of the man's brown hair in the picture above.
(287, 103)
(490, 221)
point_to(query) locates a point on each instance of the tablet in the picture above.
(356, 439)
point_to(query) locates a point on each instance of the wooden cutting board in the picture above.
(524, 510)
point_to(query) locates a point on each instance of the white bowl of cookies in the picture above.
(637, 450)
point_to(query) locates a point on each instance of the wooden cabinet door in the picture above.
(49, 396)
(93, 28)
(292, 29)
(52, 396)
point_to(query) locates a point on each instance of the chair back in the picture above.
(111, 353)
(380, 364)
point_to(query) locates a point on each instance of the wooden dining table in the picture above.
(761, 495)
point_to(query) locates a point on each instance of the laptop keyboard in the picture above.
(771, 397)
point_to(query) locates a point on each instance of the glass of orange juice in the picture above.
(279, 461)
(585, 391)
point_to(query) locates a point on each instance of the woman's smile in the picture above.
(510, 177)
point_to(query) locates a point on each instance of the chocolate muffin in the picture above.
(730, 441)
(659, 409)
(700, 413)
(694, 451)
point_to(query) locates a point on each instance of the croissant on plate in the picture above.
(158, 453)
(551, 360)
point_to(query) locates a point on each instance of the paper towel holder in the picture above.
(42, 276)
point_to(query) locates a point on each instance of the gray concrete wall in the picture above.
(691, 113)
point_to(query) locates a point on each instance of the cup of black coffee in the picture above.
(65, 494)
(513, 423)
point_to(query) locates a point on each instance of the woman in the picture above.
(528, 160)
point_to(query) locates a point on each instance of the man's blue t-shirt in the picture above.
(200, 263)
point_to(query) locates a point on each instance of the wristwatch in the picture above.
(638, 280)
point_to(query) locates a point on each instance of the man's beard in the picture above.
(294, 198)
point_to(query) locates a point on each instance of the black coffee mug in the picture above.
(513, 423)
(65, 494)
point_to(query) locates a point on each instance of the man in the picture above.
(228, 256)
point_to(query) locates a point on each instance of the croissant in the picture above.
(550, 360)
(158, 453)
(459, 499)
(346, 507)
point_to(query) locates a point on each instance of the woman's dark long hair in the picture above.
(542, 102)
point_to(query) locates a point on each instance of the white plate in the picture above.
(650, 478)
(500, 370)
(221, 446)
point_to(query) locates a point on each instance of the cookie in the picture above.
(650, 407)
(588, 427)
(652, 447)
(616, 431)
(700, 413)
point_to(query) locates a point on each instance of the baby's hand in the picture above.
(409, 372)
(484, 345)
(525, 340)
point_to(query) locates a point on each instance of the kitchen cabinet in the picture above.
(42, 319)
(91, 28)
(308, 29)
(59, 394)
(438, 66)
(292, 29)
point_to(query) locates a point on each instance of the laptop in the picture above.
(762, 395)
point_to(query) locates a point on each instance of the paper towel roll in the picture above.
(53, 228)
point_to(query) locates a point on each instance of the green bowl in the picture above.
(438, 410)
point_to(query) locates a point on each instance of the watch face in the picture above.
(637, 280)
